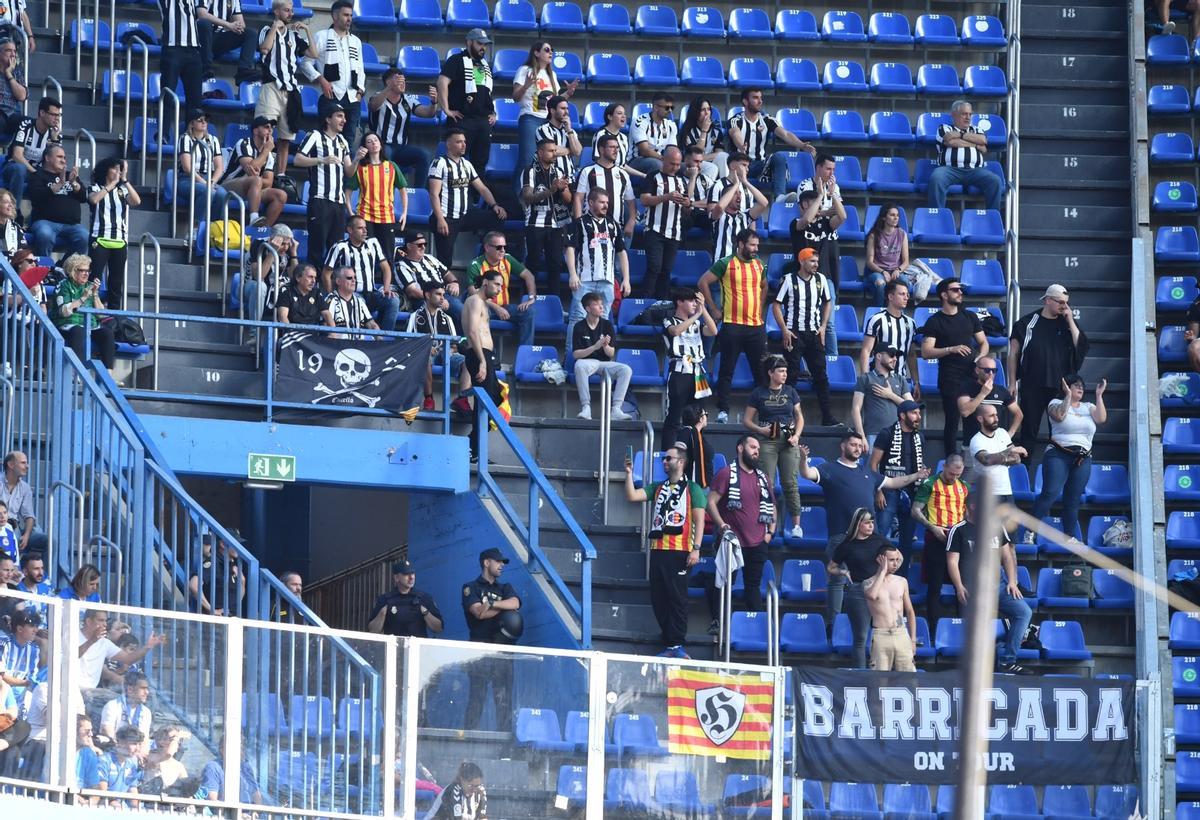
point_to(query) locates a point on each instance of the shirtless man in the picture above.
(480, 358)
(888, 602)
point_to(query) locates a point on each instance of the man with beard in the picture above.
(899, 450)
(741, 498)
(950, 336)
(993, 451)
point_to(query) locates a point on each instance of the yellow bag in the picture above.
(227, 234)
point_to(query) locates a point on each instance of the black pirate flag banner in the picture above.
(388, 374)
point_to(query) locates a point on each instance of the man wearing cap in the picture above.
(251, 174)
(899, 450)
(984, 390)
(484, 600)
(802, 309)
(339, 63)
(405, 611)
(1043, 348)
(464, 92)
(951, 337)
(877, 393)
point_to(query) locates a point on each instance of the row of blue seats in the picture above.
(1171, 50)
(311, 716)
(1169, 100)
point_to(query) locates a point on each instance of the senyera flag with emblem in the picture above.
(386, 374)
(719, 715)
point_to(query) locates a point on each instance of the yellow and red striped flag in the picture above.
(719, 715)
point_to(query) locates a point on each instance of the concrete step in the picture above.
(1066, 23)
(1075, 121)
(175, 376)
(1075, 219)
(1071, 67)
(1054, 169)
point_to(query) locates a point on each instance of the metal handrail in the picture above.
(276, 265)
(157, 274)
(647, 471)
(10, 390)
(1013, 205)
(134, 42)
(158, 187)
(605, 443)
(111, 546)
(79, 39)
(772, 624)
(81, 502)
(723, 635)
(201, 147)
(112, 36)
(225, 244)
(51, 82)
(81, 134)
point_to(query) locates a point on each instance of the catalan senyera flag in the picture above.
(719, 715)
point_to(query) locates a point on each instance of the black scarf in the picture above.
(895, 460)
(766, 510)
(670, 509)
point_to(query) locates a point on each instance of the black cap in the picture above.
(259, 122)
(26, 618)
(195, 114)
(908, 406)
(403, 567)
(493, 554)
(890, 350)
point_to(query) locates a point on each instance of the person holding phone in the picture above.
(76, 292)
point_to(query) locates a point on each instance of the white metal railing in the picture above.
(135, 42)
(606, 389)
(145, 271)
(83, 134)
(177, 110)
(1012, 241)
(772, 622)
(203, 153)
(75, 525)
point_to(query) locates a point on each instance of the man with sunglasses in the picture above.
(954, 336)
(984, 390)
(497, 258)
(652, 133)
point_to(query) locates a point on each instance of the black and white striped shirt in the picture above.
(685, 352)
(179, 23)
(203, 152)
(549, 213)
(11, 238)
(456, 176)
(666, 218)
(727, 226)
(802, 301)
(622, 145)
(892, 331)
(280, 62)
(615, 180)
(437, 323)
(596, 242)
(33, 141)
(710, 142)
(550, 131)
(110, 216)
(756, 134)
(411, 272)
(658, 134)
(325, 181)
(703, 190)
(964, 157)
(246, 149)
(363, 259)
(224, 9)
(390, 120)
(350, 312)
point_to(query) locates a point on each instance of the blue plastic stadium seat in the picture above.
(1174, 197)
(609, 18)
(983, 277)
(983, 31)
(1168, 100)
(780, 220)
(637, 734)
(655, 69)
(743, 376)
(888, 174)
(1049, 591)
(630, 309)
(845, 322)
(528, 357)
(750, 72)
(569, 67)
(703, 22)
(750, 24)
(843, 27)
(799, 121)
(296, 775)
(627, 790)
(690, 265)
(844, 76)
(889, 27)
(147, 132)
(841, 125)
(677, 792)
(815, 526)
(644, 364)
(748, 632)
(514, 15)
(371, 61)
(796, 74)
(419, 62)
(1187, 772)
(982, 227)
(1172, 346)
(948, 640)
(1181, 482)
(1108, 484)
(737, 785)
(572, 786)
(357, 718)
(703, 72)
(606, 68)
(1185, 676)
(539, 729)
(1168, 50)
(1181, 436)
(851, 229)
(891, 127)
(938, 79)
(266, 711)
(507, 113)
(1187, 723)
(1066, 802)
(1183, 530)
(1063, 640)
(935, 225)
(1013, 801)
(144, 32)
(792, 581)
(1115, 802)
(928, 125)
(311, 716)
(90, 33)
(842, 637)
(891, 78)
(1177, 243)
(548, 314)
(935, 30)
(562, 18)
(1171, 147)
(502, 160)
(506, 62)
(423, 14)
(656, 21)
(1112, 592)
(796, 25)
(856, 800)
(908, 800)
(985, 81)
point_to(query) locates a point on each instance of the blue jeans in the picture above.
(1061, 476)
(1018, 614)
(776, 167)
(854, 604)
(50, 235)
(527, 127)
(411, 158)
(522, 322)
(874, 283)
(605, 289)
(944, 176)
(15, 176)
(219, 195)
(897, 506)
(386, 307)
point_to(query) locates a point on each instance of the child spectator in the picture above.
(9, 545)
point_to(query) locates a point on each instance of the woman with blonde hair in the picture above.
(78, 291)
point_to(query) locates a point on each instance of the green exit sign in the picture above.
(264, 467)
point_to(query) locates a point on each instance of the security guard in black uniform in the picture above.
(405, 611)
(485, 601)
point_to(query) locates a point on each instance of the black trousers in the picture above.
(829, 261)
(660, 261)
(475, 219)
(933, 564)
(326, 226)
(668, 593)
(752, 573)
(951, 418)
(733, 341)
(497, 671)
(681, 392)
(187, 63)
(810, 347)
(479, 141)
(112, 261)
(490, 384)
(214, 41)
(545, 256)
(104, 347)
(1033, 399)
(385, 232)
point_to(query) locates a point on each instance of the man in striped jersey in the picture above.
(699, 189)
(181, 57)
(391, 112)
(802, 309)
(222, 28)
(666, 201)
(751, 132)
(890, 327)
(558, 130)
(686, 382)
(736, 205)
(496, 258)
(281, 45)
(364, 255)
(415, 267)
(326, 155)
(743, 308)
(251, 174)
(961, 151)
(344, 307)
(653, 132)
(821, 212)
(546, 195)
(451, 179)
(339, 63)
(939, 504)
(595, 252)
(605, 174)
(33, 136)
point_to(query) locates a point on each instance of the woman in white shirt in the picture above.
(534, 79)
(1067, 462)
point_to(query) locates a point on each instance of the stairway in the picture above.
(1075, 218)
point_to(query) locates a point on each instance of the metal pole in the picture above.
(605, 443)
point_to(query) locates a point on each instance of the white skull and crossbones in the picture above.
(353, 367)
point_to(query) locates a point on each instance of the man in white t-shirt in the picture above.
(95, 649)
(992, 451)
(131, 709)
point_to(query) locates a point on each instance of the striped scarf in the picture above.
(766, 510)
(895, 460)
(469, 85)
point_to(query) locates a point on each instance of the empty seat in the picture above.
(750, 72)
(424, 14)
(891, 78)
(889, 27)
(1177, 243)
(983, 277)
(538, 729)
(562, 18)
(678, 792)
(636, 734)
(644, 364)
(935, 225)
(467, 14)
(1115, 802)
(1185, 676)
(627, 790)
(703, 21)
(935, 30)
(1172, 346)
(985, 81)
(908, 800)
(1012, 800)
(799, 121)
(572, 786)
(843, 27)
(741, 791)
(606, 68)
(311, 716)
(1165, 100)
(796, 25)
(1183, 530)
(796, 74)
(1112, 591)
(846, 126)
(514, 15)
(849, 174)
(1187, 723)
(1174, 197)
(803, 634)
(993, 126)
(887, 174)
(841, 373)
(264, 714)
(1063, 640)
(928, 125)
(948, 640)
(655, 69)
(418, 62)
(690, 265)
(890, 126)
(844, 76)
(1185, 631)
(703, 72)
(1171, 146)
(851, 229)
(856, 800)
(1168, 49)
(982, 227)
(1181, 482)
(357, 718)
(1187, 771)
(803, 580)
(1066, 802)
(845, 322)
(748, 632)
(983, 31)
(750, 24)
(656, 21)
(609, 18)
(1108, 484)
(842, 636)
(938, 79)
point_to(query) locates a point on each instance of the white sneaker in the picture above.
(723, 417)
(617, 414)
(1168, 27)
(796, 532)
(585, 412)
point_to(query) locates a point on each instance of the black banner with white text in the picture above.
(896, 727)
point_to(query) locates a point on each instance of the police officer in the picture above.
(485, 602)
(405, 611)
